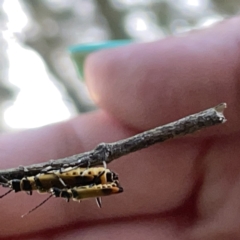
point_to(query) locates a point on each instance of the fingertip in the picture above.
(102, 68)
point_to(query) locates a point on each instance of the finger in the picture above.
(218, 205)
(154, 180)
(149, 84)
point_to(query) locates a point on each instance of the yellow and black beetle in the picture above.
(67, 178)
(89, 191)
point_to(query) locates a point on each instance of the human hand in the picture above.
(186, 188)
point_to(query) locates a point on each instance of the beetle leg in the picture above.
(99, 202)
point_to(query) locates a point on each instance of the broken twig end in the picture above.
(220, 111)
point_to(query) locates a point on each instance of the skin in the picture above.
(187, 188)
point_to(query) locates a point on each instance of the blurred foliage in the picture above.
(52, 26)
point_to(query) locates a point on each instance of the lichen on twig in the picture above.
(110, 151)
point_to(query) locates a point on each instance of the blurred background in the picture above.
(39, 83)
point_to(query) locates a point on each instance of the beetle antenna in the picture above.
(39, 205)
(6, 193)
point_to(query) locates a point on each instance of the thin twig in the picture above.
(109, 151)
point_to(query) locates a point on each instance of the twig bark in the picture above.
(109, 151)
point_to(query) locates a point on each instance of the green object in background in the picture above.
(81, 51)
